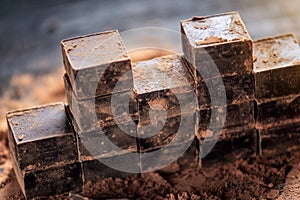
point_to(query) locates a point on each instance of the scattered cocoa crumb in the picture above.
(254, 58)
(238, 22)
(265, 60)
(20, 137)
(235, 39)
(270, 185)
(211, 40)
(202, 27)
(153, 104)
(75, 45)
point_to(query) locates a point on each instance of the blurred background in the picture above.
(30, 57)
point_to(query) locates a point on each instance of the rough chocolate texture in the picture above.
(238, 88)
(95, 170)
(41, 136)
(163, 84)
(276, 110)
(287, 135)
(95, 63)
(221, 41)
(156, 135)
(239, 138)
(100, 112)
(236, 115)
(189, 159)
(277, 66)
(113, 138)
(51, 181)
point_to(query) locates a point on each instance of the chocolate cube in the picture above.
(173, 130)
(111, 139)
(183, 155)
(50, 180)
(41, 136)
(101, 112)
(279, 139)
(277, 66)
(217, 45)
(227, 116)
(112, 165)
(162, 86)
(97, 64)
(278, 110)
(217, 143)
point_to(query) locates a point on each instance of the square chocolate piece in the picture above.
(217, 143)
(100, 112)
(277, 66)
(50, 180)
(278, 110)
(112, 165)
(279, 139)
(97, 64)
(171, 158)
(218, 44)
(111, 139)
(41, 136)
(163, 86)
(227, 116)
(163, 132)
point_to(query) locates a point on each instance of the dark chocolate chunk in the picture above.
(278, 139)
(51, 180)
(182, 155)
(111, 139)
(217, 44)
(97, 64)
(100, 168)
(163, 84)
(241, 138)
(238, 88)
(173, 130)
(41, 136)
(226, 116)
(277, 66)
(277, 110)
(100, 112)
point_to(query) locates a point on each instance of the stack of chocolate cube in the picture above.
(218, 52)
(166, 102)
(153, 110)
(44, 150)
(277, 91)
(98, 85)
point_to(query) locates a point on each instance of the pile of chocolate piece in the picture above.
(225, 89)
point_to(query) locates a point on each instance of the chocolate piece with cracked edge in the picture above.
(95, 169)
(98, 113)
(278, 139)
(97, 143)
(277, 110)
(157, 135)
(50, 180)
(277, 66)
(221, 39)
(95, 63)
(41, 136)
(231, 139)
(236, 115)
(163, 84)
